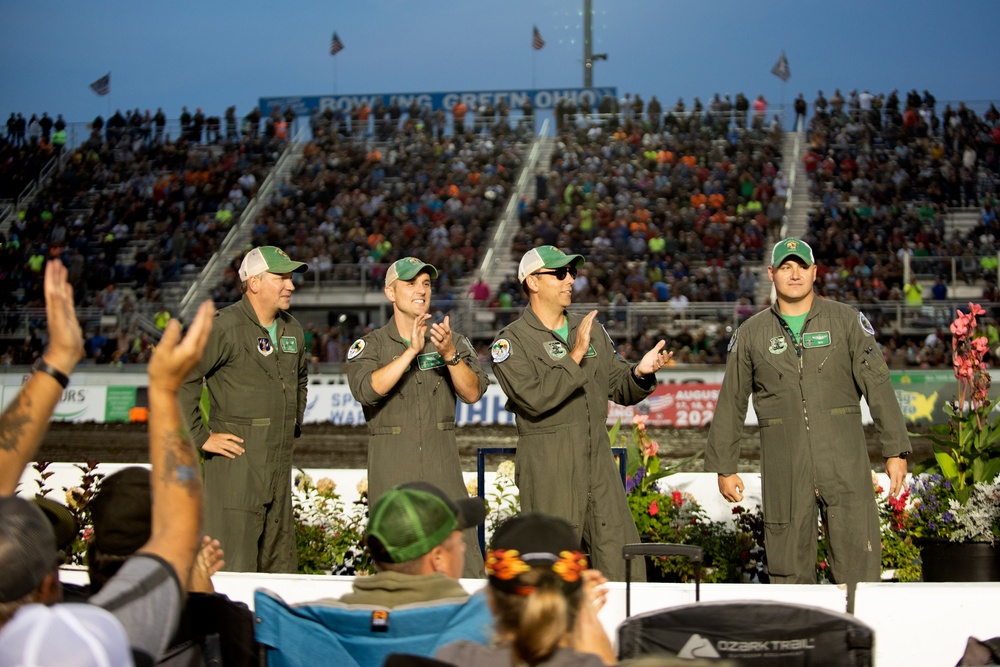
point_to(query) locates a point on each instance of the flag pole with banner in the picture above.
(336, 46)
(782, 71)
(103, 89)
(536, 44)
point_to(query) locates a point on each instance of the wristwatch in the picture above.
(43, 366)
(454, 360)
(902, 455)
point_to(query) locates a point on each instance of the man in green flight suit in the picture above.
(558, 379)
(807, 362)
(255, 370)
(407, 375)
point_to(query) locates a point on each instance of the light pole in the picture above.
(588, 55)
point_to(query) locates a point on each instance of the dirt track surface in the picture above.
(328, 446)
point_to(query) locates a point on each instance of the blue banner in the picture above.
(541, 99)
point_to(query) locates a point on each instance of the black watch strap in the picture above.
(43, 366)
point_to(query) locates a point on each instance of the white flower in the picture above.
(363, 486)
(472, 486)
(506, 469)
(302, 480)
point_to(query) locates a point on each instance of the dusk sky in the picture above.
(220, 53)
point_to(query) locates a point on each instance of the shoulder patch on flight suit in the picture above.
(778, 345)
(357, 347)
(500, 350)
(288, 344)
(555, 349)
(591, 352)
(264, 346)
(866, 326)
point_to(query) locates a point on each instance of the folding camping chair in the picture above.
(760, 633)
(306, 634)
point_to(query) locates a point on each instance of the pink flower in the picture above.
(654, 509)
(650, 448)
(980, 345)
(639, 421)
(976, 309)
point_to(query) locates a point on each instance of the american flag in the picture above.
(336, 46)
(781, 69)
(103, 85)
(536, 39)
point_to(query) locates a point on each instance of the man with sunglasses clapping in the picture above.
(558, 378)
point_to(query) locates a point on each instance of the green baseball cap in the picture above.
(791, 248)
(408, 268)
(546, 257)
(409, 520)
(268, 259)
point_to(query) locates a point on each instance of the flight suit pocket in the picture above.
(874, 367)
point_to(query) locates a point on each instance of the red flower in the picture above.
(677, 499)
(654, 509)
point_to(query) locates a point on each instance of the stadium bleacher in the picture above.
(674, 211)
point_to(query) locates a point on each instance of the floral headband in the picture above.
(503, 566)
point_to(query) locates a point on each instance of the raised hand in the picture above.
(65, 348)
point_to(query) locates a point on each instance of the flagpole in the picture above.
(534, 59)
(334, 76)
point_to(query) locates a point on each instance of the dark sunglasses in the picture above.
(559, 273)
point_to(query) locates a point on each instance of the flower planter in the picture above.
(959, 561)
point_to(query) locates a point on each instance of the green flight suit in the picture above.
(257, 391)
(564, 466)
(411, 431)
(813, 449)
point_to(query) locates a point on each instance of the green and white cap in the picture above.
(408, 268)
(409, 520)
(546, 257)
(268, 259)
(791, 248)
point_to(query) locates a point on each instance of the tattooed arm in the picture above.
(175, 477)
(25, 421)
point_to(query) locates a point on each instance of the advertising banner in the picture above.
(541, 99)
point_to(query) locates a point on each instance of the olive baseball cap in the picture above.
(791, 248)
(268, 259)
(408, 268)
(546, 257)
(409, 520)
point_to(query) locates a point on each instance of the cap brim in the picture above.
(793, 255)
(288, 267)
(471, 512)
(63, 523)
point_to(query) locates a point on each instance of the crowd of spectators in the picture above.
(669, 205)
(884, 175)
(127, 210)
(356, 206)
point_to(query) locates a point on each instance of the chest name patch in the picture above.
(817, 339)
(425, 362)
(264, 346)
(288, 344)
